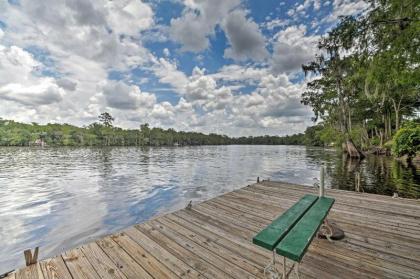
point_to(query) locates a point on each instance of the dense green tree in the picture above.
(313, 135)
(106, 119)
(367, 75)
(20, 134)
(407, 140)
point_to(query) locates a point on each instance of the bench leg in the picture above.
(284, 268)
(294, 267)
(270, 269)
(297, 270)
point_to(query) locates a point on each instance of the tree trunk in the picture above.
(365, 135)
(348, 146)
(384, 119)
(344, 147)
(397, 113)
(381, 136)
(390, 126)
(341, 116)
(349, 124)
(352, 150)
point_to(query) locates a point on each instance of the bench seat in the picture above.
(279, 228)
(297, 240)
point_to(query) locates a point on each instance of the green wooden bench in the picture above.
(291, 233)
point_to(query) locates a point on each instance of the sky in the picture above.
(214, 66)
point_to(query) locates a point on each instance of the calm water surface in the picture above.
(58, 198)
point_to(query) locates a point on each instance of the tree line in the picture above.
(365, 81)
(103, 133)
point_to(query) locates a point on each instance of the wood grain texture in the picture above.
(122, 259)
(179, 267)
(142, 257)
(78, 265)
(10, 276)
(213, 239)
(55, 268)
(30, 272)
(101, 262)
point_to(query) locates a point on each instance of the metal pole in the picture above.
(321, 187)
(297, 270)
(274, 260)
(284, 268)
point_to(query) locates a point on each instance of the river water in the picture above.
(59, 198)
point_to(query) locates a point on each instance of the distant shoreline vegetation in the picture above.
(103, 133)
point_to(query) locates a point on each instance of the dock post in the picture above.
(357, 188)
(321, 186)
(29, 258)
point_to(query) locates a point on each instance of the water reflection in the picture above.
(378, 174)
(58, 198)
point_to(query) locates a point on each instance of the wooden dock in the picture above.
(213, 240)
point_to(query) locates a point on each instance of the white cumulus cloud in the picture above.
(292, 48)
(198, 22)
(119, 95)
(245, 39)
(19, 82)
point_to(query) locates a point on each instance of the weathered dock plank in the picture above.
(213, 240)
(78, 264)
(141, 256)
(30, 272)
(55, 268)
(170, 261)
(122, 259)
(101, 262)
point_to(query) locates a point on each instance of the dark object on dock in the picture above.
(189, 205)
(29, 258)
(258, 179)
(334, 232)
(6, 274)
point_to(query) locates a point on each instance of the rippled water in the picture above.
(58, 198)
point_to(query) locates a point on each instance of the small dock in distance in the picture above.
(213, 240)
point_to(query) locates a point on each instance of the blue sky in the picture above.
(224, 66)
